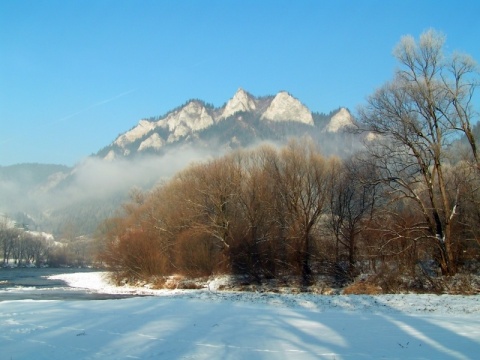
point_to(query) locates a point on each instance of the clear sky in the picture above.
(75, 74)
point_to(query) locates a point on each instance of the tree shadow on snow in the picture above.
(221, 328)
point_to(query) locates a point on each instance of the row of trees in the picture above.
(410, 198)
(252, 212)
(268, 212)
(21, 247)
(24, 248)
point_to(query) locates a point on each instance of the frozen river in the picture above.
(34, 284)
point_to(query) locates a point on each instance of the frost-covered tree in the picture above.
(416, 117)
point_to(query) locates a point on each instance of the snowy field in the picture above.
(207, 324)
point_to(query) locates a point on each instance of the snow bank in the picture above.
(404, 303)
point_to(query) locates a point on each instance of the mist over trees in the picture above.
(50, 198)
(406, 205)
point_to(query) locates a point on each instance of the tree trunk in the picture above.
(306, 269)
(351, 255)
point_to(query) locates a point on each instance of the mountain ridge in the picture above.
(189, 122)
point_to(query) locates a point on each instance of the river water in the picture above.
(33, 283)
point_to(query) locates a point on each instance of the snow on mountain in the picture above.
(371, 136)
(191, 118)
(143, 127)
(339, 121)
(187, 124)
(285, 107)
(47, 236)
(154, 142)
(110, 156)
(6, 222)
(53, 181)
(241, 101)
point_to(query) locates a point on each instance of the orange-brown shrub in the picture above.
(136, 255)
(362, 288)
(196, 253)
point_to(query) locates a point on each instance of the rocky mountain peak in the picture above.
(192, 117)
(197, 123)
(284, 107)
(340, 120)
(241, 101)
(143, 128)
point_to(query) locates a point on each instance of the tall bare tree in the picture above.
(352, 201)
(416, 117)
(302, 181)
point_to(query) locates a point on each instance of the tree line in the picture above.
(406, 204)
(19, 247)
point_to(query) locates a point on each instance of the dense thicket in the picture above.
(250, 212)
(267, 212)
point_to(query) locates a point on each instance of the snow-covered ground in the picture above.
(207, 324)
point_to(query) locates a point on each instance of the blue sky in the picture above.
(75, 74)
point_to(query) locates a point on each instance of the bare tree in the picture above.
(8, 236)
(415, 118)
(352, 201)
(302, 181)
(259, 249)
(208, 195)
